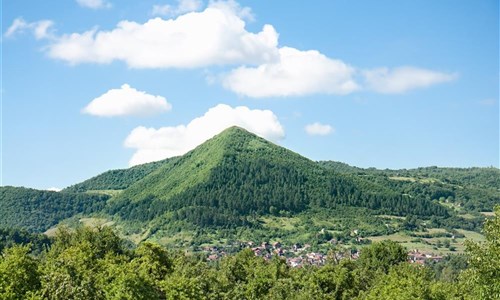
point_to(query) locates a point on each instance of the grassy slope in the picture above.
(175, 176)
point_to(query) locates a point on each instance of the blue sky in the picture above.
(93, 85)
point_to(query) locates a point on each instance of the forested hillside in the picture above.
(473, 189)
(37, 210)
(116, 179)
(10, 237)
(237, 174)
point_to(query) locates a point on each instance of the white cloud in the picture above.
(155, 144)
(296, 73)
(126, 101)
(402, 79)
(183, 6)
(40, 29)
(319, 129)
(215, 36)
(18, 25)
(54, 189)
(94, 4)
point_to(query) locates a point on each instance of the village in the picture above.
(299, 255)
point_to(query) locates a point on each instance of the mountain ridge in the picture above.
(240, 186)
(237, 173)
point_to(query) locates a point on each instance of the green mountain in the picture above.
(237, 174)
(238, 186)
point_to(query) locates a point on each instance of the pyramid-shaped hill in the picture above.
(237, 174)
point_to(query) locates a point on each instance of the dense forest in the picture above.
(474, 189)
(95, 264)
(37, 211)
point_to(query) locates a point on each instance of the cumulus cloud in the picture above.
(403, 79)
(40, 29)
(218, 36)
(295, 73)
(94, 4)
(126, 101)
(215, 36)
(319, 129)
(54, 189)
(155, 144)
(183, 6)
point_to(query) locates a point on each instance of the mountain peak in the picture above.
(236, 130)
(233, 137)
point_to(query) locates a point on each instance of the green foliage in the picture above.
(191, 280)
(176, 176)
(472, 189)
(449, 268)
(404, 282)
(152, 261)
(11, 236)
(19, 274)
(37, 211)
(93, 264)
(333, 282)
(382, 256)
(482, 279)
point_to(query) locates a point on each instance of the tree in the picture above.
(120, 280)
(402, 282)
(152, 261)
(381, 256)
(410, 282)
(482, 279)
(76, 264)
(71, 274)
(333, 282)
(18, 273)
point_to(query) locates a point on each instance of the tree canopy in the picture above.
(96, 264)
